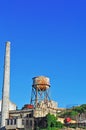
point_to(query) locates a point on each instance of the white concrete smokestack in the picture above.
(6, 87)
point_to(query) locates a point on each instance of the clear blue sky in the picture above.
(47, 38)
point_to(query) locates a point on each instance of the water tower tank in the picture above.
(41, 83)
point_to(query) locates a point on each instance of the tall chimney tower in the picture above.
(6, 86)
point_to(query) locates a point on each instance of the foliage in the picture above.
(50, 129)
(52, 122)
(59, 124)
(74, 112)
(79, 109)
(83, 106)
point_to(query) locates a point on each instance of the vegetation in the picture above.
(74, 112)
(52, 122)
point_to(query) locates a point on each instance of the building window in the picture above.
(7, 122)
(30, 122)
(26, 122)
(30, 115)
(14, 121)
(22, 122)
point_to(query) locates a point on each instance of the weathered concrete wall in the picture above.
(6, 86)
(12, 106)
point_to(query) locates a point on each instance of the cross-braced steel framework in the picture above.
(39, 95)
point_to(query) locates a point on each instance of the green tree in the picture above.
(52, 122)
(73, 114)
(79, 109)
(83, 106)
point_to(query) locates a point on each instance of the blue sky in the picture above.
(47, 38)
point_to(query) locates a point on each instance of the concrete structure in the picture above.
(44, 109)
(20, 120)
(6, 87)
(24, 120)
(12, 106)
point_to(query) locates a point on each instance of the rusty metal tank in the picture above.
(41, 83)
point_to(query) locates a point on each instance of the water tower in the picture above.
(40, 91)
